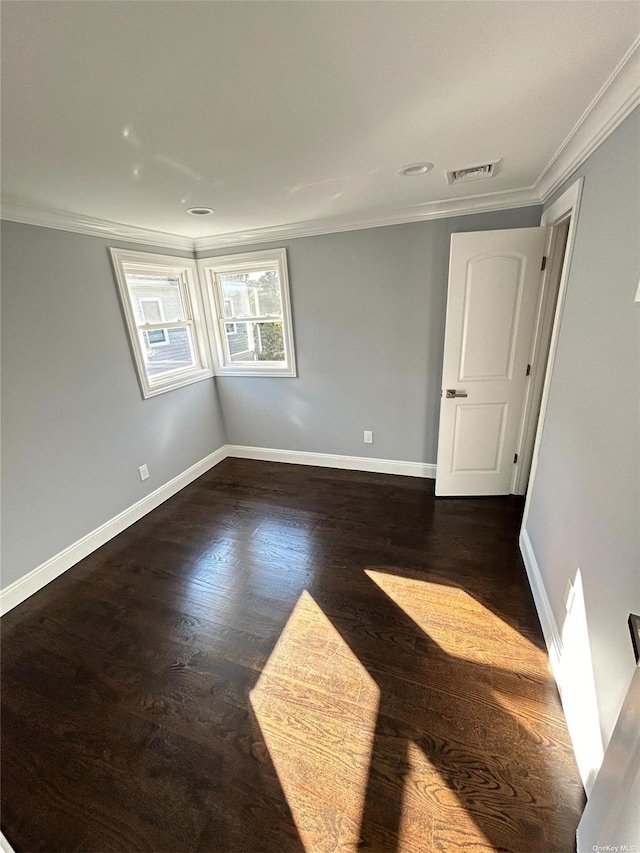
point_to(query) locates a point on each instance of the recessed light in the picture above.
(414, 169)
(200, 211)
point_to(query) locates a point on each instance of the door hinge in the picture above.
(515, 458)
(544, 262)
(528, 370)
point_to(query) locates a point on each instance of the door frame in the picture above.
(565, 207)
(538, 357)
(526, 246)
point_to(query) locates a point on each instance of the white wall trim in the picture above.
(567, 205)
(64, 220)
(5, 847)
(523, 197)
(579, 702)
(39, 577)
(618, 96)
(43, 574)
(615, 100)
(77, 223)
(550, 631)
(328, 460)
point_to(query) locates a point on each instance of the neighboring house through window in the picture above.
(228, 313)
(248, 297)
(236, 313)
(165, 319)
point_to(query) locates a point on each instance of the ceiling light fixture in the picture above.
(200, 211)
(414, 169)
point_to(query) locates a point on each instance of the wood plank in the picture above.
(285, 658)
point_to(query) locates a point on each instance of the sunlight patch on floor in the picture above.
(317, 707)
(462, 631)
(431, 817)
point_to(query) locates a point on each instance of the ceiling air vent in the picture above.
(473, 173)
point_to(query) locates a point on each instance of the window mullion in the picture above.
(166, 324)
(265, 318)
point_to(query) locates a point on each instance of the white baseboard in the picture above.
(550, 631)
(39, 577)
(328, 460)
(572, 668)
(25, 586)
(5, 847)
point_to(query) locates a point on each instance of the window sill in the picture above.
(252, 370)
(149, 390)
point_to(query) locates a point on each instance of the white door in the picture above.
(494, 286)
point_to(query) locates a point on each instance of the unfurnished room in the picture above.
(320, 426)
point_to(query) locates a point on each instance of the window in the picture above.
(153, 312)
(165, 320)
(232, 328)
(248, 297)
(158, 337)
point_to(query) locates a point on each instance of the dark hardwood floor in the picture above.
(284, 658)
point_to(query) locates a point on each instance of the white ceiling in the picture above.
(280, 113)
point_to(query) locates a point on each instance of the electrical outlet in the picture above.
(368, 436)
(144, 472)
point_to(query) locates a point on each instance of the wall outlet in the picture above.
(144, 472)
(368, 436)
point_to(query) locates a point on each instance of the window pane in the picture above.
(156, 299)
(156, 337)
(249, 342)
(251, 294)
(167, 349)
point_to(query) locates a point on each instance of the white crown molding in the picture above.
(63, 220)
(619, 95)
(79, 224)
(615, 100)
(505, 200)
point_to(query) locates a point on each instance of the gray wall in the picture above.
(369, 310)
(585, 509)
(369, 315)
(74, 425)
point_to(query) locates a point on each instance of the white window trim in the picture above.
(185, 269)
(246, 262)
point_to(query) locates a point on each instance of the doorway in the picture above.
(561, 217)
(504, 310)
(545, 323)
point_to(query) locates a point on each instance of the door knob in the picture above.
(451, 392)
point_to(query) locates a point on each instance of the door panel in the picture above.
(478, 438)
(494, 286)
(493, 290)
